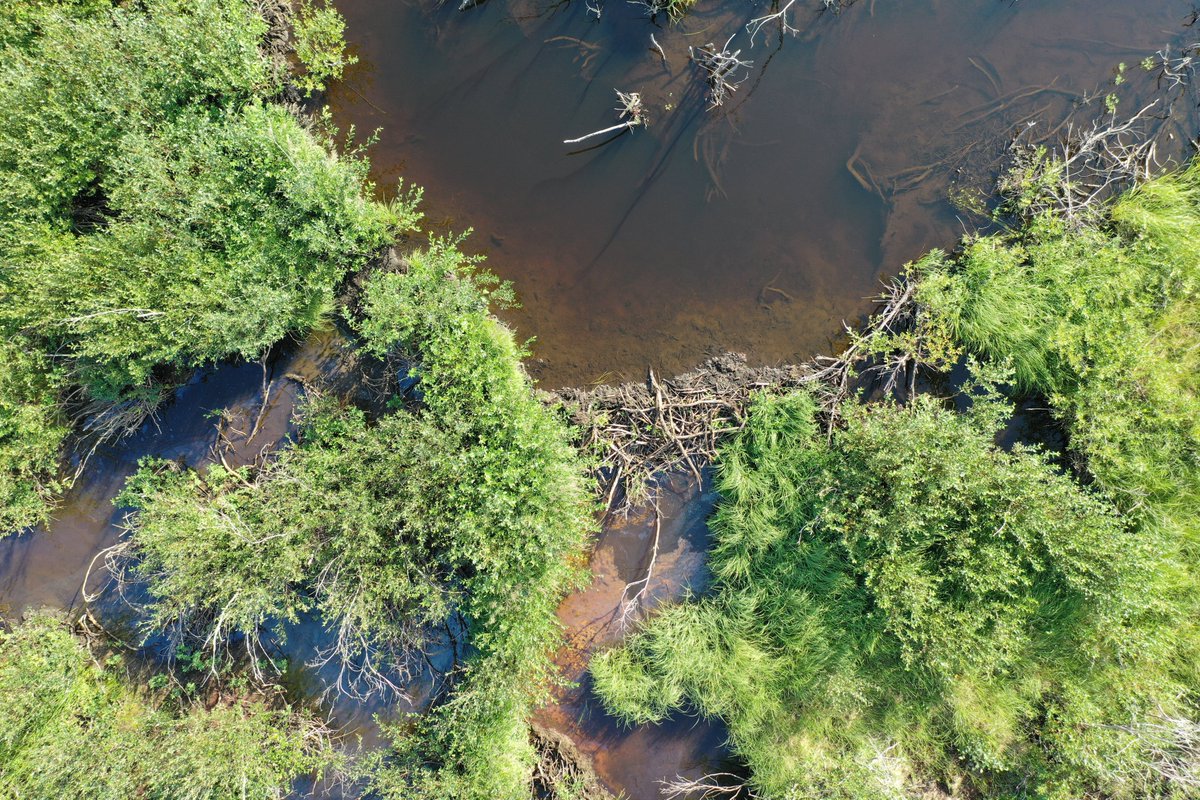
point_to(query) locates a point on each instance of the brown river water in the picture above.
(759, 227)
(740, 229)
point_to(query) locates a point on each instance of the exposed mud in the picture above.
(562, 772)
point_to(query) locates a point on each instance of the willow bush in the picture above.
(473, 503)
(903, 606)
(73, 728)
(907, 606)
(159, 210)
(1103, 319)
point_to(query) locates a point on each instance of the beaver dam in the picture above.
(693, 205)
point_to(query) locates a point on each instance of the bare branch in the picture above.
(721, 68)
(755, 25)
(707, 787)
(630, 110)
(630, 603)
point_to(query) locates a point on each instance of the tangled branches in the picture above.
(641, 430)
(561, 771)
(720, 68)
(1174, 71)
(1173, 744)
(1094, 163)
(708, 787)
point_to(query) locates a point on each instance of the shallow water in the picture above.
(47, 568)
(666, 558)
(739, 229)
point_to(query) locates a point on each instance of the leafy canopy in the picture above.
(1104, 319)
(158, 211)
(473, 502)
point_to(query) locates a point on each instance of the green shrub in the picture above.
(474, 503)
(31, 431)
(157, 211)
(908, 604)
(1103, 319)
(320, 45)
(70, 728)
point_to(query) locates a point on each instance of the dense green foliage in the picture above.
(70, 728)
(473, 503)
(1104, 319)
(157, 212)
(31, 432)
(320, 45)
(904, 605)
(909, 605)
(514, 492)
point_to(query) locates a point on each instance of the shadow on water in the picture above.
(758, 227)
(219, 407)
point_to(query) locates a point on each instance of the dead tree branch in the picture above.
(630, 603)
(1092, 164)
(720, 69)
(707, 787)
(629, 109)
(755, 25)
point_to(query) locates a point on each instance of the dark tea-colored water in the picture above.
(759, 226)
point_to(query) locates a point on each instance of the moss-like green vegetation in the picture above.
(471, 503)
(70, 728)
(1103, 318)
(158, 211)
(909, 605)
(905, 607)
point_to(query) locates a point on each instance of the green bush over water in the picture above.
(70, 728)
(1104, 319)
(908, 605)
(157, 212)
(516, 494)
(904, 605)
(472, 503)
